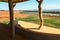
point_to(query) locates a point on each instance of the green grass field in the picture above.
(48, 21)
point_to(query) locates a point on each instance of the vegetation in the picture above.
(48, 21)
(35, 11)
(4, 21)
(53, 12)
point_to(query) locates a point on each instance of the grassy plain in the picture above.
(48, 21)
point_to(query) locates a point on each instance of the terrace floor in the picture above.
(45, 33)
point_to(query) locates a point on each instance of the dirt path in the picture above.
(33, 27)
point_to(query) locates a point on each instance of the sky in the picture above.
(32, 5)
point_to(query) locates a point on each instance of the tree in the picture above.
(40, 13)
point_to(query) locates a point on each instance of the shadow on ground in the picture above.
(25, 34)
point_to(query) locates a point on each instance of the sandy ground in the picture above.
(34, 27)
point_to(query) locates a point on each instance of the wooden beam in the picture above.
(12, 27)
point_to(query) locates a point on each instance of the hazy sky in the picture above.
(32, 5)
